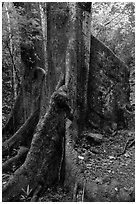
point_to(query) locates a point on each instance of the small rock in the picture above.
(132, 194)
(99, 180)
(111, 157)
(105, 187)
(89, 166)
(112, 192)
(94, 151)
(124, 195)
(127, 154)
(130, 189)
(114, 126)
(94, 136)
(116, 188)
(87, 155)
(106, 178)
(114, 183)
(92, 190)
(113, 188)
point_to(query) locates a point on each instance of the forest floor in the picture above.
(101, 163)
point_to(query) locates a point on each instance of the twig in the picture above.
(62, 158)
(83, 192)
(75, 192)
(106, 24)
(127, 145)
(113, 18)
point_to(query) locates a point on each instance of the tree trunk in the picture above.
(43, 161)
(108, 87)
(83, 33)
(10, 46)
(28, 100)
(33, 81)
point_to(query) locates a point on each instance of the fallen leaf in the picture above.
(111, 157)
(80, 157)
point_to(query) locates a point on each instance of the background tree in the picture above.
(114, 24)
(11, 55)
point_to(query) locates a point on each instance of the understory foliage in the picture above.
(114, 24)
(18, 28)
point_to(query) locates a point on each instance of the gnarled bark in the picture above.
(44, 158)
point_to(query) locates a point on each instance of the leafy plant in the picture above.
(26, 194)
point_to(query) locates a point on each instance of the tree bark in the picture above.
(28, 100)
(108, 87)
(43, 160)
(83, 33)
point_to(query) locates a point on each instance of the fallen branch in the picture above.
(127, 145)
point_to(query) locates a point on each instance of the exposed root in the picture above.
(7, 166)
(25, 131)
(43, 160)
